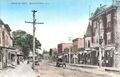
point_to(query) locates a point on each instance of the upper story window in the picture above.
(0, 37)
(94, 24)
(109, 24)
(108, 20)
(101, 25)
(108, 17)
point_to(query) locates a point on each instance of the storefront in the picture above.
(3, 57)
(8, 57)
(109, 56)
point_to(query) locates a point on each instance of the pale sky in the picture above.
(62, 18)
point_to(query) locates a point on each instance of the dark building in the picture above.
(103, 35)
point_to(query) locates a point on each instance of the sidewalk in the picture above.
(90, 69)
(109, 69)
(22, 70)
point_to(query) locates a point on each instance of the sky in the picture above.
(62, 18)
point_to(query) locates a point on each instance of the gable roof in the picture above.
(102, 10)
(88, 31)
(1, 22)
(99, 10)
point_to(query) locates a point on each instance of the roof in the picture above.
(102, 10)
(88, 31)
(7, 27)
(64, 43)
(77, 39)
(1, 22)
(99, 9)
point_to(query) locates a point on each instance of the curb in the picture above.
(112, 70)
(97, 67)
(107, 69)
(84, 66)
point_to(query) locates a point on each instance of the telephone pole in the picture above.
(69, 39)
(34, 28)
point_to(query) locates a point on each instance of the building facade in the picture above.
(102, 23)
(63, 46)
(65, 49)
(102, 39)
(78, 44)
(53, 53)
(8, 54)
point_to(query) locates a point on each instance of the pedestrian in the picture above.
(18, 61)
(28, 61)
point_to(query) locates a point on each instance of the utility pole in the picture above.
(34, 28)
(69, 39)
(117, 36)
(100, 46)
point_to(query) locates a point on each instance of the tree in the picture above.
(30, 42)
(25, 41)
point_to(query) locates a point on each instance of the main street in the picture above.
(47, 69)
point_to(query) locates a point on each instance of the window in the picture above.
(0, 37)
(108, 20)
(101, 25)
(101, 40)
(3, 38)
(6, 40)
(93, 40)
(94, 24)
(88, 43)
(108, 17)
(109, 41)
(109, 24)
(109, 38)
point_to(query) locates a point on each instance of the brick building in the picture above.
(103, 25)
(78, 45)
(66, 50)
(63, 46)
